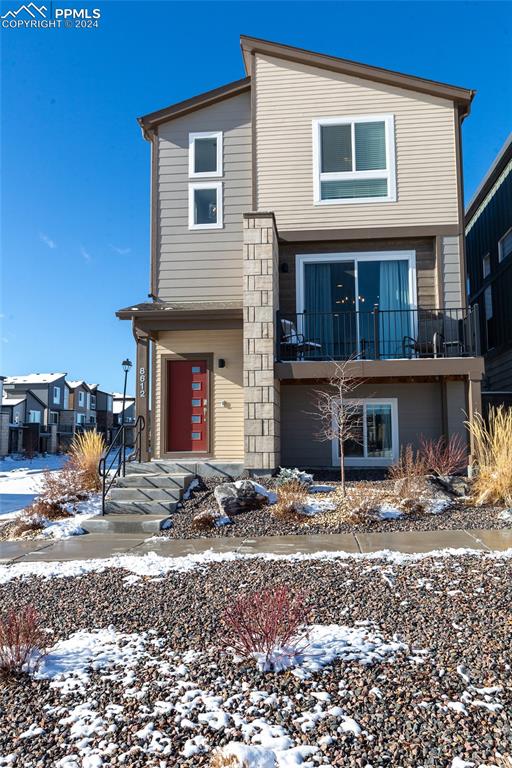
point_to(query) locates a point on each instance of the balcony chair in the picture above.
(293, 344)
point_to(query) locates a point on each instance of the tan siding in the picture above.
(299, 427)
(451, 272)
(290, 95)
(425, 265)
(194, 265)
(226, 423)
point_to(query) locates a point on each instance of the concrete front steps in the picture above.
(144, 500)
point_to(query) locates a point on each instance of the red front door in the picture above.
(187, 406)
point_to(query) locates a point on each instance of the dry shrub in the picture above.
(28, 521)
(226, 761)
(409, 466)
(265, 622)
(204, 521)
(493, 454)
(444, 457)
(411, 506)
(290, 499)
(85, 454)
(22, 641)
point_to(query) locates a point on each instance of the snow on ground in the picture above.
(156, 566)
(72, 526)
(20, 481)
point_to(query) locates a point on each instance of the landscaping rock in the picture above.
(506, 515)
(242, 496)
(456, 485)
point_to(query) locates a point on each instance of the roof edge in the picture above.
(153, 119)
(251, 45)
(500, 162)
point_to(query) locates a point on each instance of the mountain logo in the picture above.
(31, 9)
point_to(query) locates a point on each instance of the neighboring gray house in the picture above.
(309, 212)
(102, 406)
(126, 416)
(25, 423)
(51, 390)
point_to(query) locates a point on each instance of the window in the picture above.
(93, 402)
(81, 398)
(377, 443)
(505, 245)
(80, 418)
(53, 417)
(205, 154)
(336, 296)
(66, 398)
(56, 395)
(354, 159)
(109, 402)
(92, 419)
(205, 205)
(88, 400)
(34, 417)
(486, 267)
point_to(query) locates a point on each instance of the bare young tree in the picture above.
(340, 416)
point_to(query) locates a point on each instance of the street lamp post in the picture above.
(127, 364)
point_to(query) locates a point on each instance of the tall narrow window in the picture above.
(205, 154)
(505, 245)
(354, 159)
(486, 267)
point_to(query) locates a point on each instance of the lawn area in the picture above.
(405, 662)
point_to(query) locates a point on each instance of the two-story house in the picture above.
(80, 404)
(102, 413)
(489, 269)
(309, 212)
(51, 390)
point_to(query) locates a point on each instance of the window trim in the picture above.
(501, 256)
(81, 399)
(217, 185)
(372, 461)
(192, 154)
(51, 415)
(56, 390)
(389, 173)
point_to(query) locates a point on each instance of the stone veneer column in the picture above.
(260, 302)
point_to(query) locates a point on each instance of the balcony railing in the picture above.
(378, 334)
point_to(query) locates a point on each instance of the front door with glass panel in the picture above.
(187, 406)
(339, 295)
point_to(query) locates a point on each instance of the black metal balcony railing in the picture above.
(378, 334)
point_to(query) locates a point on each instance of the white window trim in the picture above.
(56, 395)
(217, 185)
(93, 402)
(501, 255)
(389, 173)
(81, 399)
(372, 461)
(192, 154)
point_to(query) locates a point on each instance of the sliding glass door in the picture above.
(357, 304)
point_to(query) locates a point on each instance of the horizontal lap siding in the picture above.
(425, 265)
(197, 265)
(227, 423)
(290, 95)
(299, 425)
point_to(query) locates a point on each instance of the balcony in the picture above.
(378, 335)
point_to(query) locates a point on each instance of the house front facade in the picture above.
(309, 213)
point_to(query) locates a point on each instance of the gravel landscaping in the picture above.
(263, 522)
(152, 686)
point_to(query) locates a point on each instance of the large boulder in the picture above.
(242, 496)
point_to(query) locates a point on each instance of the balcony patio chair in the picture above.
(412, 347)
(293, 344)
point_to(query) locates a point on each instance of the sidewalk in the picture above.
(94, 545)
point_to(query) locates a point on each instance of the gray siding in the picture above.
(196, 265)
(299, 425)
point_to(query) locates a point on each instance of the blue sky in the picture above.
(75, 181)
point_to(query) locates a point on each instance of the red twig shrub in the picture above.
(22, 641)
(444, 457)
(265, 625)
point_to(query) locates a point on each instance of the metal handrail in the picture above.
(117, 466)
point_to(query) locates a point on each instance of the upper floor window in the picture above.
(53, 418)
(66, 398)
(109, 402)
(486, 269)
(88, 397)
(93, 402)
(354, 159)
(56, 395)
(34, 417)
(205, 205)
(205, 154)
(81, 398)
(505, 245)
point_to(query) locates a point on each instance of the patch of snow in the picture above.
(256, 757)
(436, 506)
(388, 512)
(156, 566)
(321, 488)
(457, 762)
(506, 514)
(314, 506)
(186, 496)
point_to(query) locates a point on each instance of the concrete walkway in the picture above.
(94, 545)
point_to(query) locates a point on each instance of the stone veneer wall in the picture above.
(260, 304)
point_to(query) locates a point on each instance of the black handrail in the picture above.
(117, 452)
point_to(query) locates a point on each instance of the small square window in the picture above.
(196, 403)
(205, 206)
(196, 385)
(505, 245)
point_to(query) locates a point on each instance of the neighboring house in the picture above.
(80, 404)
(4, 424)
(489, 268)
(126, 415)
(102, 406)
(26, 429)
(311, 211)
(50, 389)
